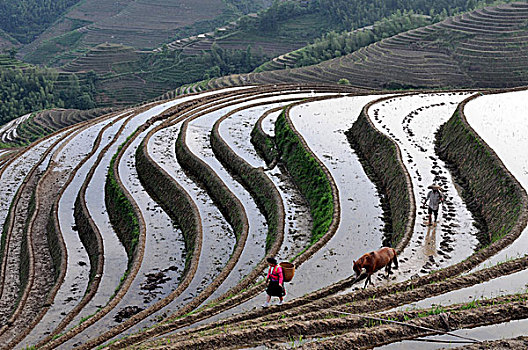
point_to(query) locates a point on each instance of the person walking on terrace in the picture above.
(435, 197)
(275, 282)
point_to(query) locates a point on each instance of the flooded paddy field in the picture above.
(136, 289)
(412, 121)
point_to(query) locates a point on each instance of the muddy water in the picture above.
(236, 132)
(78, 266)
(268, 124)
(198, 141)
(323, 124)
(218, 239)
(15, 173)
(145, 289)
(412, 122)
(114, 253)
(163, 260)
(495, 332)
(10, 181)
(218, 236)
(501, 121)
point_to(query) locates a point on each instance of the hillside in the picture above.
(26, 19)
(126, 76)
(141, 24)
(484, 48)
(165, 150)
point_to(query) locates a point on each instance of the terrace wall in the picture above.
(228, 204)
(256, 182)
(493, 190)
(88, 236)
(173, 200)
(308, 175)
(264, 145)
(121, 212)
(380, 154)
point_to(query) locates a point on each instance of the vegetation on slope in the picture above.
(240, 49)
(121, 211)
(334, 44)
(308, 176)
(92, 23)
(25, 19)
(32, 89)
(499, 198)
(358, 13)
(480, 49)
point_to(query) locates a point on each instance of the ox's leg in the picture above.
(367, 281)
(388, 269)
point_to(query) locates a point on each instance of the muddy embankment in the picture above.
(381, 158)
(519, 343)
(387, 333)
(353, 331)
(49, 244)
(127, 222)
(436, 283)
(297, 149)
(90, 236)
(263, 143)
(260, 187)
(172, 198)
(18, 246)
(492, 189)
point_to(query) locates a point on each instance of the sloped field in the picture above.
(141, 24)
(149, 227)
(484, 48)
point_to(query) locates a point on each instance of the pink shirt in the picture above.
(273, 276)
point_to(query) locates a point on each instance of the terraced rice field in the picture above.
(141, 24)
(482, 49)
(149, 227)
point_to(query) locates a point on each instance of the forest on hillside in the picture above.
(326, 23)
(353, 14)
(25, 19)
(335, 44)
(32, 89)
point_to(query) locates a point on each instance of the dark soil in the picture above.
(519, 343)
(126, 313)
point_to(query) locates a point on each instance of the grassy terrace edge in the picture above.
(264, 144)
(255, 181)
(381, 155)
(120, 211)
(498, 196)
(260, 187)
(440, 281)
(307, 174)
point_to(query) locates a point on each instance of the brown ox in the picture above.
(375, 261)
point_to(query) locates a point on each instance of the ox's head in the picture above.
(357, 268)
